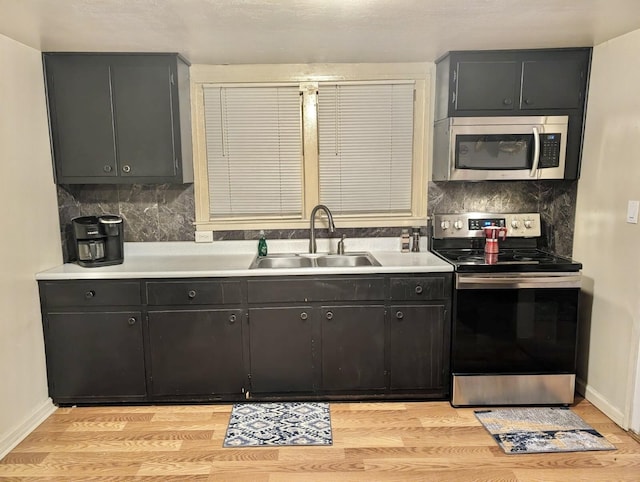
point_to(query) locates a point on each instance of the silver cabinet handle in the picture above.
(232, 318)
(399, 315)
(418, 290)
(107, 168)
(89, 294)
(191, 294)
(132, 321)
(303, 315)
(126, 168)
(329, 315)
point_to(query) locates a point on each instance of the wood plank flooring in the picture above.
(372, 441)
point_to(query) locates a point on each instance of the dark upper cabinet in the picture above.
(512, 82)
(119, 118)
(485, 85)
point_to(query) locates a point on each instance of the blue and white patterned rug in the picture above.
(540, 430)
(287, 423)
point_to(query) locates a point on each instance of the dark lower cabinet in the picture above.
(196, 353)
(282, 349)
(418, 347)
(94, 356)
(196, 340)
(352, 348)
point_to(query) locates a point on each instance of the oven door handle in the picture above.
(474, 282)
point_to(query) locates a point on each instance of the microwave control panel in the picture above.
(549, 150)
(470, 225)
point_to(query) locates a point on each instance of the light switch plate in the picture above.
(204, 236)
(632, 212)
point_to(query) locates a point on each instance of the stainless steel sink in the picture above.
(283, 261)
(346, 260)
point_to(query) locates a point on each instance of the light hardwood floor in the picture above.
(372, 441)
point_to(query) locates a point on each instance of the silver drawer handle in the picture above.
(232, 318)
(132, 321)
(399, 315)
(89, 294)
(126, 168)
(418, 290)
(191, 294)
(329, 315)
(303, 315)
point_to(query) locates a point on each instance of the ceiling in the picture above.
(313, 31)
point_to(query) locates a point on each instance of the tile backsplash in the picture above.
(166, 212)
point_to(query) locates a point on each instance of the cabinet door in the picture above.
(553, 84)
(352, 347)
(486, 85)
(79, 92)
(196, 352)
(95, 355)
(281, 346)
(418, 347)
(142, 104)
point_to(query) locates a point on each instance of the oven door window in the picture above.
(515, 331)
(500, 152)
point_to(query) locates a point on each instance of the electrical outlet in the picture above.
(204, 236)
(632, 212)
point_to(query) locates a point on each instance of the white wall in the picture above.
(607, 246)
(29, 239)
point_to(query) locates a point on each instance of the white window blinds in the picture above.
(366, 147)
(254, 142)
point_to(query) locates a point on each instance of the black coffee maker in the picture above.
(98, 240)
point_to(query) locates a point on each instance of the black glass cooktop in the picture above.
(528, 259)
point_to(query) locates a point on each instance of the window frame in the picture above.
(308, 76)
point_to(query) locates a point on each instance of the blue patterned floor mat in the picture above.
(541, 430)
(286, 423)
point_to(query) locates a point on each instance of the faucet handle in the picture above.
(341, 244)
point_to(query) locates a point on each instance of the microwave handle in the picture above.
(536, 152)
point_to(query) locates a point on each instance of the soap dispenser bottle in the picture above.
(262, 245)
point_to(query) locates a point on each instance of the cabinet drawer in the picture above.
(320, 289)
(91, 293)
(420, 288)
(193, 292)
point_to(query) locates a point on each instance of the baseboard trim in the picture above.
(17, 435)
(602, 404)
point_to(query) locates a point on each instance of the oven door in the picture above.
(511, 331)
(515, 323)
(507, 148)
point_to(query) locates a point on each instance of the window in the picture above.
(267, 152)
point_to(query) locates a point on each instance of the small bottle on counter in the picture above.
(262, 245)
(415, 240)
(405, 241)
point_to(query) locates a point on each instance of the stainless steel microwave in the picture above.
(499, 148)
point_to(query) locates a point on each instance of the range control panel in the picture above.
(470, 225)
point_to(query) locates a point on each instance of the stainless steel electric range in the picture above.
(515, 311)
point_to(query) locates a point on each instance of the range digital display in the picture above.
(477, 224)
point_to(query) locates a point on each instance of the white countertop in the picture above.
(232, 258)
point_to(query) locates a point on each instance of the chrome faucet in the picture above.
(312, 229)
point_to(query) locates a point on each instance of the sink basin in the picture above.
(346, 260)
(282, 261)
